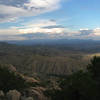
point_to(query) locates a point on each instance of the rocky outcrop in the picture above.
(30, 80)
(31, 91)
(13, 95)
(36, 93)
(11, 68)
(2, 94)
(29, 98)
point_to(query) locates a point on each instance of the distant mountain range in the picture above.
(84, 42)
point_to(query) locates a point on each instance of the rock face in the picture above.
(13, 95)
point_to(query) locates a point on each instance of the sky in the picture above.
(49, 19)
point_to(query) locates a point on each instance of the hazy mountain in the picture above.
(54, 41)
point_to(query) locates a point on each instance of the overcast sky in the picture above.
(42, 19)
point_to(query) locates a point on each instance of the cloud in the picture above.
(38, 29)
(86, 32)
(89, 32)
(97, 31)
(10, 13)
(13, 9)
(37, 26)
(53, 26)
(42, 4)
(46, 29)
(43, 26)
(9, 31)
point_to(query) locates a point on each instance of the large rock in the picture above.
(30, 79)
(11, 68)
(36, 93)
(13, 95)
(2, 94)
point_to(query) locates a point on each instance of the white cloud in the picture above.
(84, 29)
(40, 23)
(11, 8)
(44, 4)
(46, 29)
(93, 32)
(10, 34)
(42, 26)
(9, 31)
(40, 29)
(97, 31)
(10, 13)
